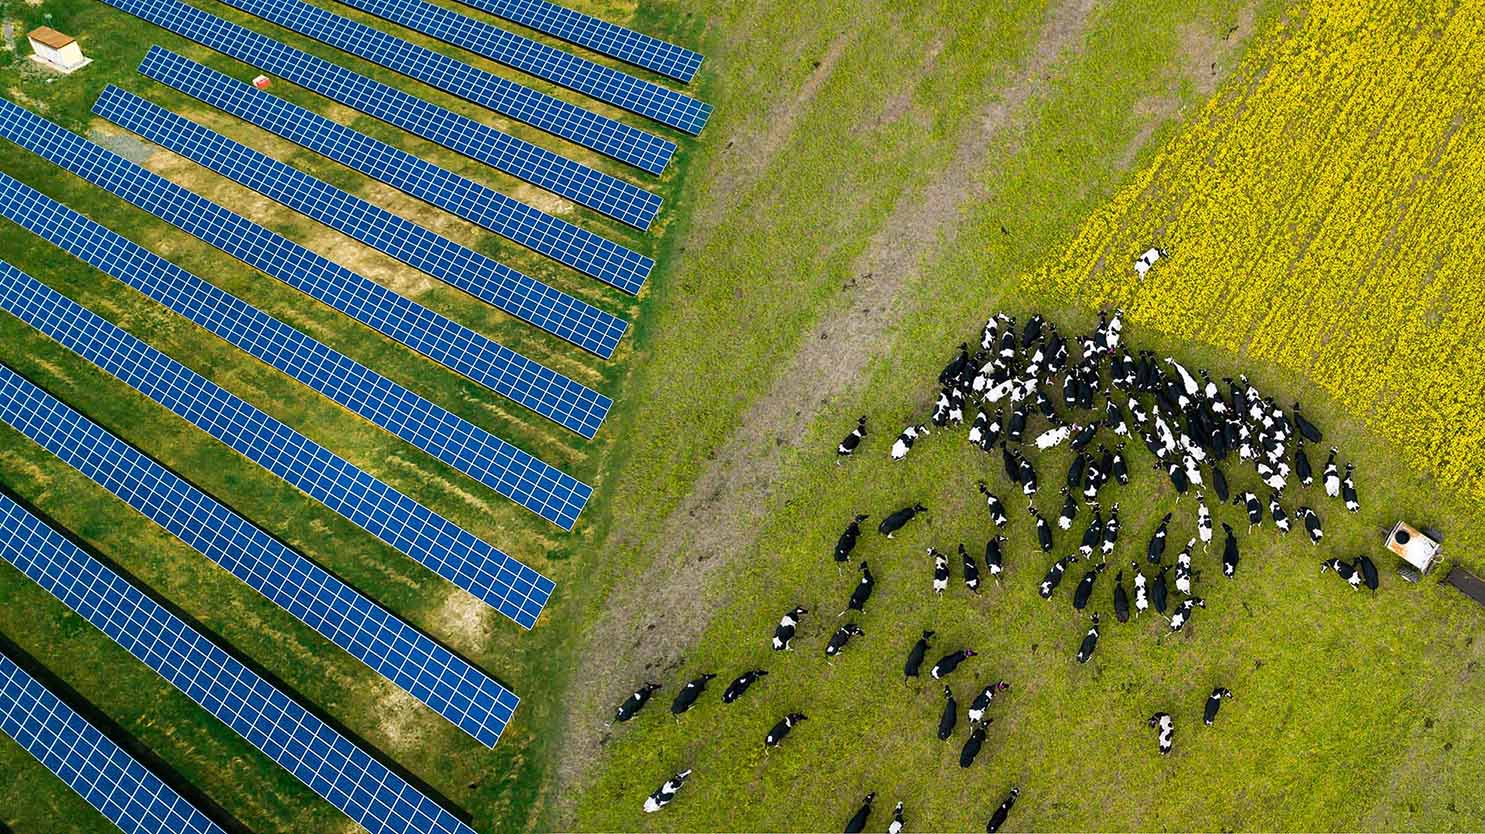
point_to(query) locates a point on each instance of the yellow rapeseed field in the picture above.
(1326, 211)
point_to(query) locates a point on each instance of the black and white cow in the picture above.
(998, 818)
(1147, 259)
(740, 685)
(1250, 502)
(784, 631)
(635, 702)
(997, 510)
(849, 443)
(1141, 595)
(915, 656)
(1167, 727)
(905, 441)
(949, 662)
(862, 593)
(1156, 548)
(1090, 642)
(1214, 703)
(897, 520)
(841, 637)
(982, 701)
(1110, 531)
(1069, 510)
(1203, 522)
(1344, 570)
(1043, 530)
(1312, 524)
(686, 698)
(897, 824)
(1348, 490)
(949, 717)
(971, 569)
(1182, 616)
(973, 744)
(995, 557)
(1054, 576)
(847, 541)
(1183, 568)
(782, 729)
(1332, 476)
(857, 823)
(1276, 512)
(1229, 552)
(666, 792)
(1092, 534)
(940, 571)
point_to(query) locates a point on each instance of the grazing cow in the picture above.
(1219, 483)
(982, 701)
(1078, 470)
(1302, 465)
(1368, 571)
(995, 557)
(636, 702)
(971, 569)
(1167, 726)
(1158, 592)
(1121, 599)
(1250, 502)
(905, 441)
(784, 631)
(949, 662)
(949, 717)
(940, 571)
(781, 729)
(896, 826)
(1054, 576)
(1344, 570)
(1085, 436)
(1203, 522)
(1027, 478)
(1141, 598)
(1306, 428)
(1276, 512)
(1121, 469)
(915, 657)
(1214, 703)
(1177, 477)
(1183, 568)
(857, 823)
(997, 510)
(899, 519)
(1085, 587)
(1043, 530)
(862, 593)
(841, 637)
(997, 819)
(941, 408)
(1348, 490)
(1069, 510)
(1111, 530)
(666, 792)
(1090, 641)
(1055, 436)
(1229, 552)
(851, 441)
(979, 428)
(1312, 524)
(1017, 425)
(1332, 476)
(973, 744)
(740, 685)
(1156, 548)
(847, 541)
(686, 698)
(1093, 534)
(1182, 616)
(1147, 259)
(956, 367)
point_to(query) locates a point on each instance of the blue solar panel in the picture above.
(508, 586)
(562, 241)
(512, 472)
(608, 85)
(464, 695)
(484, 278)
(328, 763)
(111, 780)
(504, 371)
(602, 37)
(579, 183)
(627, 144)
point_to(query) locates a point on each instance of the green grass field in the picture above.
(875, 180)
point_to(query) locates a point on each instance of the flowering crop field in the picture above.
(1324, 212)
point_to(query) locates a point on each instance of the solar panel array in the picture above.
(101, 772)
(328, 763)
(605, 84)
(504, 371)
(613, 138)
(464, 695)
(599, 35)
(562, 241)
(505, 584)
(458, 266)
(579, 183)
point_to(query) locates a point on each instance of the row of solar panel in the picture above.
(364, 789)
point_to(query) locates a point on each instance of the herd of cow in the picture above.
(1093, 403)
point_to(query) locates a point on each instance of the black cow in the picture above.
(1043, 530)
(995, 557)
(949, 717)
(689, 693)
(852, 440)
(636, 702)
(1368, 571)
(1159, 593)
(1306, 428)
(972, 745)
(781, 729)
(1121, 599)
(997, 819)
(1214, 703)
(915, 656)
(1090, 642)
(971, 569)
(841, 637)
(847, 541)
(1085, 588)
(896, 521)
(857, 823)
(862, 593)
(949, 662)
(1156, 548)
(1229, 552)
(740, 685)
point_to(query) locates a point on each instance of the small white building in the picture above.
(56, 50)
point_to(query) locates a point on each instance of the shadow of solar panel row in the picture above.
(483, 278)
(464, 695)
(609, 137)
(605, 84)
(510, 471)
(527, 480)
(605, 38)
(508, 586)
(329, 764)
(583, 185)
(495, 366)
(101, 772)
(565, 243)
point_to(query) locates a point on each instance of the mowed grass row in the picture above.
(1351, 712)
(497, 788)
